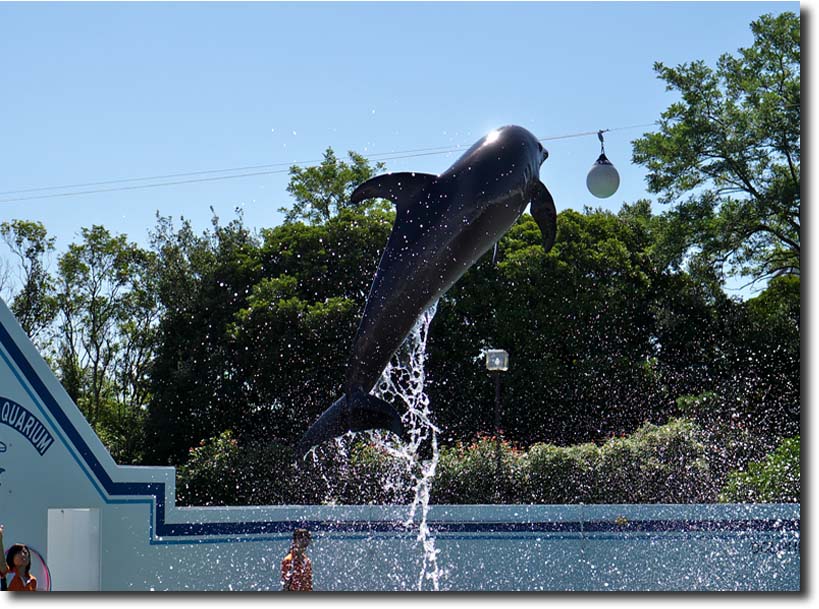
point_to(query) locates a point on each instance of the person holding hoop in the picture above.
(16, 561)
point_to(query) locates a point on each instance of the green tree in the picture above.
(322, 191)
(244, 320)
(6, 287)
(33, 305)
(294, 335)
(105, 334)
(195, 385)
(727, 156)
(137, 328)
(577, 323)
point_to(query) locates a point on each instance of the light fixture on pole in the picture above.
(602, 179)
(497, 361)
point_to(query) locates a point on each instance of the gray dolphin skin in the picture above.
(443, 225)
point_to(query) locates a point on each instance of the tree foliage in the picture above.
(203, 280)
(233, 330)
(33, 305)
(576, 323)
(728, 153)
(322, 191)
(258, 343)
(108, 310)
(256, 333)
(94, 320)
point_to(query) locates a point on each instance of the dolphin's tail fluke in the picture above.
(357, 413)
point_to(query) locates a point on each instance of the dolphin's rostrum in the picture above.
(443, 225)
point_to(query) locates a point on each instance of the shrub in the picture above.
(679, 462)
(776, 479)
(221, 472)
(731, 440)
(371, 476)
(210, 462)
(560, 474)
(657, 464)
(469, 474)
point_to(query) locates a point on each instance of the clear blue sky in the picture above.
(96, 91)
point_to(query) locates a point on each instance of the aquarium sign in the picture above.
(20, 419)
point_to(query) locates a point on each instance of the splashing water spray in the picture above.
(403, 382)
(403, 379)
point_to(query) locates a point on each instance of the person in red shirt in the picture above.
(17, 562)
(297, 570)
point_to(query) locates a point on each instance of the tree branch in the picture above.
(768, 229)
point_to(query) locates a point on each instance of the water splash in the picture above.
(403, 381)
(331, 465)
(413, 462)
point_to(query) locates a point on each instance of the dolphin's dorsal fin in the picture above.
(400, 188)
(543, 210)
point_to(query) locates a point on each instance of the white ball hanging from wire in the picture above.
(602, 179)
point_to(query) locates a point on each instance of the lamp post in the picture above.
(497, 361)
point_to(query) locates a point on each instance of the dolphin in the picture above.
(443, 225)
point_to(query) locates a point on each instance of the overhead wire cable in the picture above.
(437, 150)
(141, 186)
(141, 179)
(382, 156)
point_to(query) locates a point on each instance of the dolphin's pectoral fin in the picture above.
(400, 188)
(543, 210)
(358, 413)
